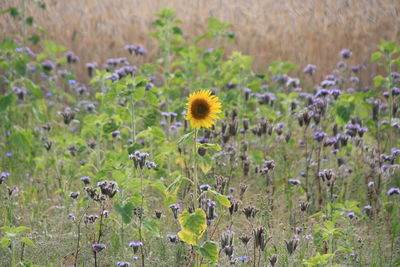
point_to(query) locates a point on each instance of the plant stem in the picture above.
(133, 126)
(141, 216)
(195, 169)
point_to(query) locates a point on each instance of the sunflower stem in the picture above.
(195, 181)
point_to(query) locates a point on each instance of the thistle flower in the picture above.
(205, 187)
(346, 53)
(68, 114)
(294, 181)
(48, 65)
(175, 208)
(71, 57)
(368, 210)
(135, 245)
(210, 210)
(72, 150)
(98, 247)
(90, 218)
(157, 214)
(4, 176)
(74, 195)
(173, 238)
(309, 69)
(114, 134)
(351, 214)
(123, 263)
(108, 188)
(319, 136)
(327, 176)
(393, 191)
(304, 206)
(242, 258)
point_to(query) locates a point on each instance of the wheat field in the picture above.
(309, 31)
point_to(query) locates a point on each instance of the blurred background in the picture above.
(306, 31)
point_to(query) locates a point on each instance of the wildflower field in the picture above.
(194, 158)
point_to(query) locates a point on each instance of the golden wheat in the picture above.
(306, 31)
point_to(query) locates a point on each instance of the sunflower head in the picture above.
(202, 109)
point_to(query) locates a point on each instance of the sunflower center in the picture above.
(200, 109)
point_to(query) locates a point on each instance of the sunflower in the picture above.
(202, 109)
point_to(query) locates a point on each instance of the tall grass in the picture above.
(310, 31)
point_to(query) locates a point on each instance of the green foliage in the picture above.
(209, 250)
(318, 259)
(46, 153)
(192, 226)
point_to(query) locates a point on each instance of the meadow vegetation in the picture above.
(286, 169)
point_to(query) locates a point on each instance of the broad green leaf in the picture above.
(379, 80)
(193, 226)
(376, 56)
(110, 127)
(28, 242)
(210, 146)
(5, 242)
(223, 200)
(209, 250)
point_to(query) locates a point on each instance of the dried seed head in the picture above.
(245, 239)
(260, 241)
(242, 189)
(234, 206)
(291, 245)
(250, 211)
(157, 214)
(273, 259)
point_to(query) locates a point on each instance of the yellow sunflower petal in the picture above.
(202, 107)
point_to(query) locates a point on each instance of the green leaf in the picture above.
(33, 88)
(152, 227)
(125, 211)
(209, 250)
(185, 138)
(379, 80)
(28, 242)
(14, 12)
(29, 21)
(34, 39)
(396, 262)
(376, 56)
(110, 127)
(344, 112)
(223, 200)
(396, 62)
(152, 99)
(6, 101)
(5, 242)
(210, 146)
(138, 93)
(193, 226)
